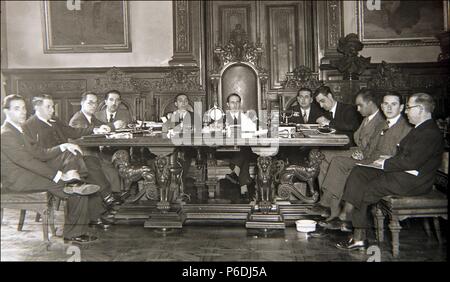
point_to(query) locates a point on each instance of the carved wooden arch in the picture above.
(166, 106)
(300, 77)
(220, 95)
(131, 98)
(238, 52)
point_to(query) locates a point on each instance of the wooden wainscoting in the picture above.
(148, 91)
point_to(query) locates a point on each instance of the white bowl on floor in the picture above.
(305, 225)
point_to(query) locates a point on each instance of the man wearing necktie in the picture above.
(240, 161)
(112, 114)
(305, 111)
(409, 172)
(342, 117)
(86, 118)
(367, 105)
(182, 121)
(48, 132)
(384, 143)
(27, 167)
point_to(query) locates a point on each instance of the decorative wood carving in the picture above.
(35, 86)
(388, 77)
(239, 49)
(177, 80)
(114, 79)
(300, 77)
(334, 13)
(182, 34)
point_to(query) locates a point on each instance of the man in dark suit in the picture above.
(367, 105)
(305, 110)
(112, 115)
(411, 171)
(181, 121)
(85, 118)
(342, 117)
(48, 132)
(384, 142)
(28, 168)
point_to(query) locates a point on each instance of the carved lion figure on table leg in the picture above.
(307, 173)
(132, 173)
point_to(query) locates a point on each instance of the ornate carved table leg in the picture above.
(265, 213)
(212, 182)
(169, 214)
(306, 174)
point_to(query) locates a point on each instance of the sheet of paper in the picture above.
(372, 165)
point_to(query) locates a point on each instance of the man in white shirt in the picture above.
(238, 122)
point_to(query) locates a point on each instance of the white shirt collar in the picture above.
(17, 126)
(333, 109)
(42, 119)
(372, 115)
(88, 117)
(393, 121)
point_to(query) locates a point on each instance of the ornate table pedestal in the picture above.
(169, 213)
(265, 214)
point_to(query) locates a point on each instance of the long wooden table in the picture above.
(171, 212)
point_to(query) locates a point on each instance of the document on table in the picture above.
(377, 166)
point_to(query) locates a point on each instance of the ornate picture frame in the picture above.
(401, 23)
(76, 26)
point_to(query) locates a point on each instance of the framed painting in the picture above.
(76, 26)
(395, 23)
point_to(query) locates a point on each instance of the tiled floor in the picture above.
(205, 243)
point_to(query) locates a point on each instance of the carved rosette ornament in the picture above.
(114, 79)
(238, 50)
(300, 77)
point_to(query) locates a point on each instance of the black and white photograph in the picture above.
(224, 139)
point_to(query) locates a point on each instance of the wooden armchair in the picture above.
(398, 208)
(41, 203)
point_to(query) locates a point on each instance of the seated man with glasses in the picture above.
(410, 172)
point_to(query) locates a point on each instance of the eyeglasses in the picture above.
(410, 107)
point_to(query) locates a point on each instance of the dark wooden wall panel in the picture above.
(282, 42)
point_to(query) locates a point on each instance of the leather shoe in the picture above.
(351, 245)
(81, 239)
(233, 178)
